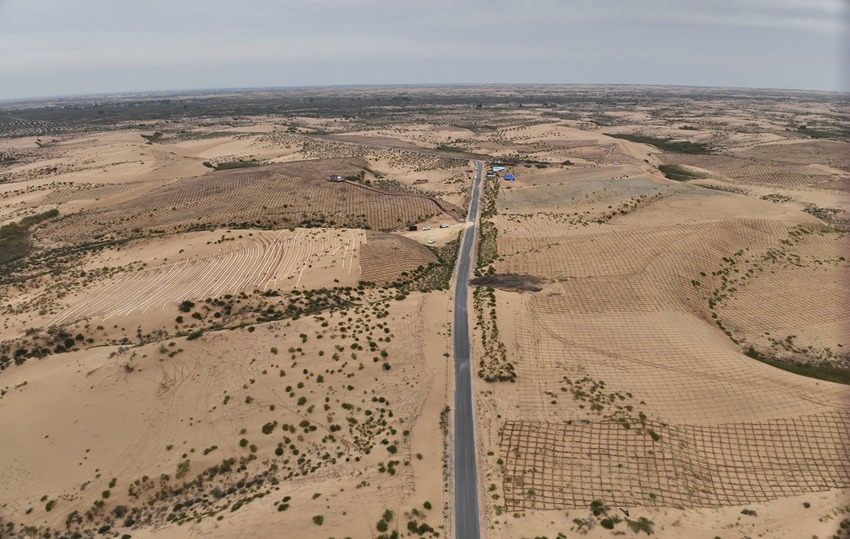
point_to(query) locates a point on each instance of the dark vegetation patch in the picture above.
(488, 250)
(831, 132)
(493, 365)
(434, 276)
(155, 137)
(820, 370)
(666, 144)
(679, 173)
(510, 281)
(55, 261)
(445, 148)
(14, 237)
(230, 165)
(834, 216)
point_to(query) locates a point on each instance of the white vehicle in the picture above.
(444, 225)
(426, 227)
(432, 240)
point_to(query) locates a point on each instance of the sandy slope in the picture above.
(104, 413)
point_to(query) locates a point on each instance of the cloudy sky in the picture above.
(68, 47)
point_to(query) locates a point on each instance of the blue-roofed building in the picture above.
(509, 177)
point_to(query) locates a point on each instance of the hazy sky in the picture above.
(65, 47)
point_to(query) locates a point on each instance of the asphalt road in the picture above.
(466, 476)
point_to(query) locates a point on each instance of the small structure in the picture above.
(491, 174)
(335, 178)
(411, 227)
(498, 169)
(509, 177)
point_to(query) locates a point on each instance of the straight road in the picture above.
(466, 477)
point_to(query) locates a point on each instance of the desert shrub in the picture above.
(642, 524)
(598, 508)
(182, 469)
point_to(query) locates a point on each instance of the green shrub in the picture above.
(642, 524)
(597, 507)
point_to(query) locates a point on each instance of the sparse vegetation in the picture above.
(304, 385)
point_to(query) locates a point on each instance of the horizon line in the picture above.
(249, 89)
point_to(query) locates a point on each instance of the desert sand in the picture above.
(212, 339)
